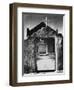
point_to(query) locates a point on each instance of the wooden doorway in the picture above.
(45, 55)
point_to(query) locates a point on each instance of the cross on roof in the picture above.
(46, 21)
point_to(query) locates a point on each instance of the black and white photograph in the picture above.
(42, 43)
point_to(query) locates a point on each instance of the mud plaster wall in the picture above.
(29, 49)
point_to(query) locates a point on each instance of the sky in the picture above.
(30, 20)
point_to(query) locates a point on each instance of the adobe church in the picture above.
(43, 50)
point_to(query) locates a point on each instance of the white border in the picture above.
(48, 77)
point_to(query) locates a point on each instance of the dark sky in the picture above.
(55, 21)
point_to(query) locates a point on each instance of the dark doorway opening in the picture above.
(45, 55)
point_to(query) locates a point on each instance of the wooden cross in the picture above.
(46, 21)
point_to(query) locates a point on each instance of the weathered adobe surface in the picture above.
(29, 48)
